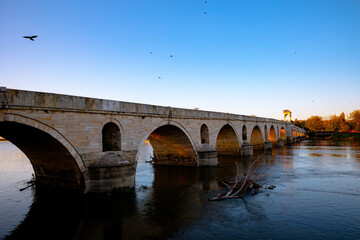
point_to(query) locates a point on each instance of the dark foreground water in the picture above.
(317, 196)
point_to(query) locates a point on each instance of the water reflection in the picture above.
(15, 171)
(316, 196)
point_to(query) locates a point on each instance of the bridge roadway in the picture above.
(92, 145)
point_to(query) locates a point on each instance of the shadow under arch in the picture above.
(111, 137)
(244, 133)
(282, 134)
(257, 139)
(204, 134)
(272, 135)
(227, 141)
(55, 161)
(172, 145)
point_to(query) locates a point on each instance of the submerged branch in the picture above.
(242, 184)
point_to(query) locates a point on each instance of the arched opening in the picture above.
(204, 134)
(256, 139)
(52, 162)
(298, 134)
(111, 137)
(171, 146)
(227, 142)
(272, 135)
(265, 132)
(294, 133)
(282, 134)
(244, 133)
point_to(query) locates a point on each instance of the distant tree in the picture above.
(315, 124)
(299, 123)
(326, 125)
(334, 123)
(355, 120)
(343, 124)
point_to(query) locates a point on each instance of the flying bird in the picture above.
(171, 56)
(30, 37)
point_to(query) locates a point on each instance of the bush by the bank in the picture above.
(334, 135)
(342, 135)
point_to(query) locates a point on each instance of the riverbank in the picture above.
(346, 136)
(335, 136)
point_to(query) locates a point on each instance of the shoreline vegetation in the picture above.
(350, 136)
(334, 123)
(347, 136)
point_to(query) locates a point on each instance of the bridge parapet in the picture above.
(51, 101)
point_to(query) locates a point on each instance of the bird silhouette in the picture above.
(171, 56)
(30, 37)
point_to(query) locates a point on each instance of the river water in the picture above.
(317, 196)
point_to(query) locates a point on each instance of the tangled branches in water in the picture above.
(242, 184)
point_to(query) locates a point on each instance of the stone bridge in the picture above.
(91, 145)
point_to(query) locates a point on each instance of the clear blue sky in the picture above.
(245, 57)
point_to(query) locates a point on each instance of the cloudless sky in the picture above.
(254, 57)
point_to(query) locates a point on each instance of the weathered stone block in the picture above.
(208, 156)
(267, 145)
(246, 149)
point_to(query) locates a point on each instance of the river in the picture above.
(317, 196)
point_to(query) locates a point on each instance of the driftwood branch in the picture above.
(29, 184)
(241, 186)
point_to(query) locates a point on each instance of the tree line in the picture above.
(333, 124)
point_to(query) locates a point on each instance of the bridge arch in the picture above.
(266, 133)
(55, 160)
(204, 134)
(244, 133)
(282, 134)
(272, 135)
(227, 141)
(172, 145)
(115, 121)
(257, 139)
(111, 137)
